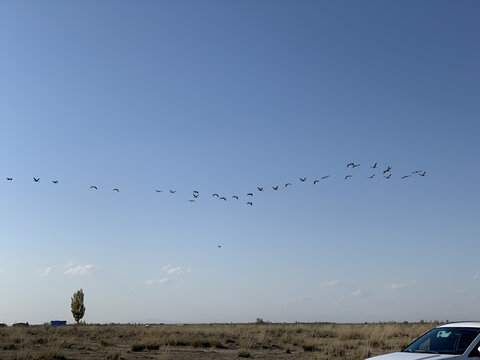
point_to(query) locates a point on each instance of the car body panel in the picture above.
(415, 356)
(465, 324)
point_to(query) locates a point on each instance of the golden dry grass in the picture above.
(208, 341)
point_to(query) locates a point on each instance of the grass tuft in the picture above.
(244, 353)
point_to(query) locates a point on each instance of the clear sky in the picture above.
(222, 97)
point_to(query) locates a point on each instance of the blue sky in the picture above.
(222, 97)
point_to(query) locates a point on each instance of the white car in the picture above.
(450, 341)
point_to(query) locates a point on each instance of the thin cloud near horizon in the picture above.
(161, 281)
(44, 272)
(329, 283)
(80, 270)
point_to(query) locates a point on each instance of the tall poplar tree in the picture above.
(78, 305)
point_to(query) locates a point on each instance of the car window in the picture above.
(444, 341)
(475, 352)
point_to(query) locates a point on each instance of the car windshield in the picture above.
(444, 340)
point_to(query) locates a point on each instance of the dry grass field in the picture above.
(209, 341)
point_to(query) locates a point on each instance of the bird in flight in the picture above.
(223, 198)
(235, 197)
(260, 189)
(315, 181)
(406, 176)
(214, 195)
(173, 191)
(158, 190)
(191, 200)
(325, 177)
(388, 176)
(348, 176)
(250, 203)
(195, 195)
(54, 181)
(303, 179)
(93, 187)
(116, 190)
(387, 169)
(275, 187)
(371, 177)
(355, 165)
(350, 164)
(423, 174)
(9, 179)
(287, 184)
(219, 246)
(250, 194)
(374, 166)
(36, 180)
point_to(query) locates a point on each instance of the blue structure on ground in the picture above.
(58, 323)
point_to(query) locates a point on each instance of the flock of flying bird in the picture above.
(195, 194)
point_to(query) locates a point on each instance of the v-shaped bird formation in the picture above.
(386, 173)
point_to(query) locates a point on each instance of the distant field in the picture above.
(209, 341)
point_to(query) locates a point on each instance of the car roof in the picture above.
(466, 324)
